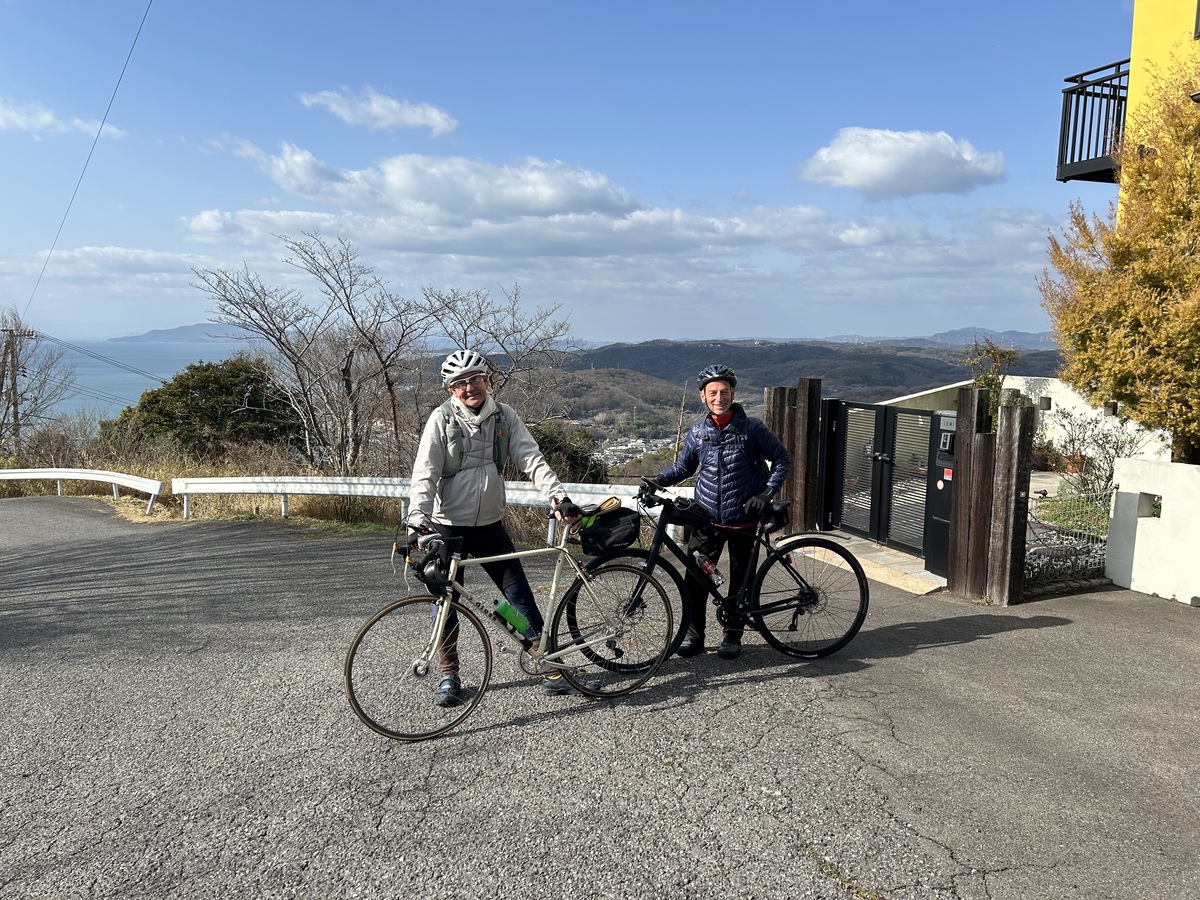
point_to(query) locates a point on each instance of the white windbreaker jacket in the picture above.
(475, 496)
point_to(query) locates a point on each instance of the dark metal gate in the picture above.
(874, 471)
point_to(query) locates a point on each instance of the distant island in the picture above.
(201, 333)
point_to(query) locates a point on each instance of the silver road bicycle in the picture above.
(607, 634)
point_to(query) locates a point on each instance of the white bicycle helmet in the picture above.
(461, 363)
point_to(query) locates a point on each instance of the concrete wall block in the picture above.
(1156, 554)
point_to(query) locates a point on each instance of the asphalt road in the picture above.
(173, 725)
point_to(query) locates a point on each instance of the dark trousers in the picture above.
(508, 575)
(711, 542)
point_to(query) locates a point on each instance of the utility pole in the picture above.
(12, 338)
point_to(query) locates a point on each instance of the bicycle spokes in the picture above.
(810, 597)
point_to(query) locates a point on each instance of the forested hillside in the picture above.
(864, 372)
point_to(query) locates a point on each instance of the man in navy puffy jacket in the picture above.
(741, 466)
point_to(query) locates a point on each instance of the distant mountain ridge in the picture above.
(868, 372)
(959, 337)
(851, 367)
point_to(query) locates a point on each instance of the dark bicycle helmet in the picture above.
(716, 373)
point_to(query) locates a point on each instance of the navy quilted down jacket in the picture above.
(732, 464)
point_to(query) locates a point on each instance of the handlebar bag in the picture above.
(614, 530)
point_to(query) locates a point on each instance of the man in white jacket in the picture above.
(458, 490)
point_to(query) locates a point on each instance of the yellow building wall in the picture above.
(1162, 29)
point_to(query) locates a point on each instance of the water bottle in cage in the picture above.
(709, 568)
(510, 614)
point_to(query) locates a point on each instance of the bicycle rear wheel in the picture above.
(392, 671)
(618, 626)
(674, 584)
(810, 597)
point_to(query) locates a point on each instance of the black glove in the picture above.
(567, 509)
(415, 533)
(757, 506)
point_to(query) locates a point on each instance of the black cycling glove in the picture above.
(567, 509)
(757, 505)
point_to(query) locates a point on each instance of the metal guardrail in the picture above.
(284, 485)
(518, 493)
(117, 479)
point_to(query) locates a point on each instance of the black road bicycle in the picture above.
(806, 595)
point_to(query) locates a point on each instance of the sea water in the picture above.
(111, 375)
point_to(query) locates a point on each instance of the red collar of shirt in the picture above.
(723, 420)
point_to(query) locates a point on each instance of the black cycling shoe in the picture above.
(449, 691)
(691, 645)
(555, 685)
(730, 646)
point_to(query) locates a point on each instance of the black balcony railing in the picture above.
(1093, 118)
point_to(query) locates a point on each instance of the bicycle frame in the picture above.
(538, 652)
(663, 540)
(735, 603)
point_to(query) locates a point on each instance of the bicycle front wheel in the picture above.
(616, 627)
(673, 582)
(393, 670)
(810, 597)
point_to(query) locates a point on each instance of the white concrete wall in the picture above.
(1062, 396)
(939, 398)
(1156, 555)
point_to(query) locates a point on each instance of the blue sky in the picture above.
(656, 169)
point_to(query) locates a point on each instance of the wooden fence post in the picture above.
(1010, 519)
(806, 459)
(983, 466)
(969, 526)
(794, 415)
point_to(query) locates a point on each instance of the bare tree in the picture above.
(33, 378)
(1091, 444)
(359, 366)
(337, 362)
(64, 441)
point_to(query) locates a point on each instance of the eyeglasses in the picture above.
(463, 383)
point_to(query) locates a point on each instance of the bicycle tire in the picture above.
(632, 608)
(390, 683)
(810, 597)
(636, 556)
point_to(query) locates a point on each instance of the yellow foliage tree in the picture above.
(1125, 305)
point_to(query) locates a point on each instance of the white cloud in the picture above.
(37, 119)
(379, 112)
(445, 191)
(880, 164)
(621, 267)
(535, 209)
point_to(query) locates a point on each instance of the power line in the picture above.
(74, 389)
(95, 141)
(101, 358)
